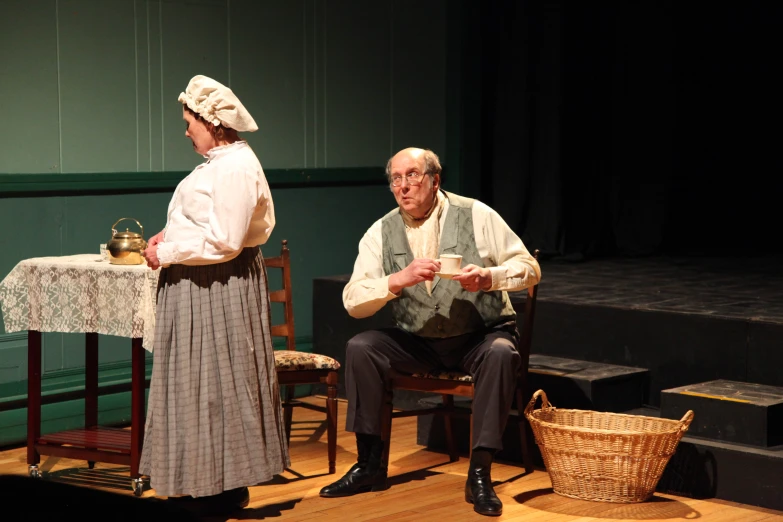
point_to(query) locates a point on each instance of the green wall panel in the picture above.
(335, 88)
(194, 39)
(112, 410)
(52, 356)
(316, 101)
(52, 226)
(323, 228)
(357, 48)
(29, 136)
(13, 362)
(88, 224)
(143, 87)
(31, 227)
(90, 218)
(331, 84)
(111, 349)
(272, 34)
(98, 111)
(152, 14)
(419, 76)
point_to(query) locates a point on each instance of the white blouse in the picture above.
(221, 207)
(512, 267)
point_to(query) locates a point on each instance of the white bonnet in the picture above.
(217, 104)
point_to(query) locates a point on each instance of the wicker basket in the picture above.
(604, 457)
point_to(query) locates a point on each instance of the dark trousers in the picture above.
(490, 357)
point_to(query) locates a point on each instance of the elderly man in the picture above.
(465, 322)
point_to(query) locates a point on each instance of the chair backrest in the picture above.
(283, 295)
(528, 315)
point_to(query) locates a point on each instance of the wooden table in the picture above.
(85, 294)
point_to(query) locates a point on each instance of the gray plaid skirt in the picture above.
(214, 417)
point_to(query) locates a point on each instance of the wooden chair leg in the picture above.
(448, 409)
(470, 420)
(386, 423)
(523, 429)
(288, 411)
(331, 419)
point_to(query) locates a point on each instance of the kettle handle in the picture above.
(114, 231)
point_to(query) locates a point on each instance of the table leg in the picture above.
(33, 397)
(91, 380)
(137, 403)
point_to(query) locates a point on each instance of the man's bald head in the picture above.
(430, 161)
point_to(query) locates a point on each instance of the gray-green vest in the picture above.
(450, 310)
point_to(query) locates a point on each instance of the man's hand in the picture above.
(419, 270)
(474, 278)
(151, 254)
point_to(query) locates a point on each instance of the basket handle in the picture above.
(686, 420)
(544, 402)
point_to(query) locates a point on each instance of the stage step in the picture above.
(568, 383)
(586, 385)
(703, 468)
(729, 411)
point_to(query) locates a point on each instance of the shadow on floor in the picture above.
(657, 508)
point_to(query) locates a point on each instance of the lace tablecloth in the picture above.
(80, 293)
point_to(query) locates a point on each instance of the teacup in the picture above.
(450, 263)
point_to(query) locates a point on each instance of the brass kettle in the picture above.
(125, 247)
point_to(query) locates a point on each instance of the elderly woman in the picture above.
(214, 421)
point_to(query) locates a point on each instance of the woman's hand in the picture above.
(154, 240)
(151, 252)
(151, 255)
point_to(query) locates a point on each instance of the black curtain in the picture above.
(632, 128)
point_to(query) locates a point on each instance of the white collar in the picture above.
(222, 150)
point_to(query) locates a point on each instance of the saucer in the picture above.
(444, 275)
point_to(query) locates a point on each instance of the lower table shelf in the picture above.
(101, 444)
(92, 443)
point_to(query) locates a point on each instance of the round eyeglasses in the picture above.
(413, 179)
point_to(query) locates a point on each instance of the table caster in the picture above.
(34, 471)
(138, 486)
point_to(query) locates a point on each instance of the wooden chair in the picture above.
(294, 368)
(450, 384)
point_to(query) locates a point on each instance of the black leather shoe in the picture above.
(366, 475)
(359, 479)
(220, 504)
(478, 488)
(236, 498)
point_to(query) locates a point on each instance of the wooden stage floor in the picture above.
(424, 486)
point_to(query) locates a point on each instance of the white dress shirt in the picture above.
(221, 207)
(512, 267)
